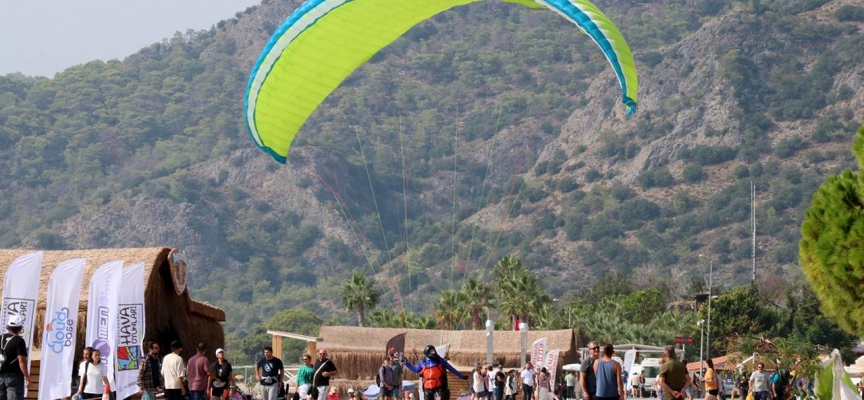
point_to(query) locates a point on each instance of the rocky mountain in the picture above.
(489, 130)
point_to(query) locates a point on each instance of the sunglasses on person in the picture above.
(594, 348)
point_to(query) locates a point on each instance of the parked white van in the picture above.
(651, 368)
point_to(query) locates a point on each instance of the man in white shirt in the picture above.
(528, 381)
(570, 381)
(172, 372)
(759, 383)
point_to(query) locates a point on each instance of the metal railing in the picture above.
(248, 384)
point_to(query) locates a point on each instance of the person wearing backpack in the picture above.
(385, 380)
(433, 369)
(779, 383)
(14, 376)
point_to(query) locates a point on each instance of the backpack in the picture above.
(779, 380)
(387, 372)
(433, 377)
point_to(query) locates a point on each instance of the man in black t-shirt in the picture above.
(500, 378)
(13, 364)
(324, 369)
(588, 380)
(269, 373)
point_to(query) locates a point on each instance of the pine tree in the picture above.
(831, 250)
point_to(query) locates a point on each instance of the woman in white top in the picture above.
(95, 378)
(510, 385)
(479, 382)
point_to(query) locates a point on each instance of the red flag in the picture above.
(516, 324)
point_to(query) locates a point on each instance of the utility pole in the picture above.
(753, 221)
(701, 324)
(710, 294)
(708, 329)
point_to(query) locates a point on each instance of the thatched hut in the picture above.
(358, 351)
(170, 313)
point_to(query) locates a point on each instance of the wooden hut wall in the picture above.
(173, 320)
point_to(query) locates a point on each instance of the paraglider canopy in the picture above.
(323, 41)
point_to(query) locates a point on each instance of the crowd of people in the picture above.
(200, 379)
(601, 377)
(197, 377)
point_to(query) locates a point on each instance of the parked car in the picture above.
(728, 387)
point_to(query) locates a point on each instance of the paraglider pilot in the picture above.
(433, 368)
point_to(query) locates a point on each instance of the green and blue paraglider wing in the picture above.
(323, 41)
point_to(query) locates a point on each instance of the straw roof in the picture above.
(358, 351)
(168, 316)
(720, 364)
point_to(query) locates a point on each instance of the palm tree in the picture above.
(478, 298)
(379, 318)
(522, 296)
(358, 295)
(450, 311)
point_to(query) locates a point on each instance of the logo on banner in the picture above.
(60, 332)
(127, 358)
(177, 264)
(20, 307)
(128, 321)
(101, 342)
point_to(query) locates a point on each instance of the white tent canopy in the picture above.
(571, 367)
(642, 348)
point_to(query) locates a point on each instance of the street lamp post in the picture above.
(710, 294)
(490, 332)
(523, 341)
(701, 339)
(701, 324)
(569, 322)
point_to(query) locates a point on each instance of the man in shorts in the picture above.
(759, 383)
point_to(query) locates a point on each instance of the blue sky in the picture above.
(43, 37)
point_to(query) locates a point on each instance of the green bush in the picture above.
(693, 173)
(592, 175)
(850, 13)
(602, 227)
(788, 147)
(658, 177)
(568, 184)
(709, 155)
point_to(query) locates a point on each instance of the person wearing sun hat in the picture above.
(14, 376)
(222, 382)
